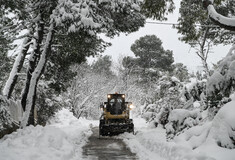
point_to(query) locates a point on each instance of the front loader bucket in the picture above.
(115, 129)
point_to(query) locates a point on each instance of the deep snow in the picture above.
(64, 136)
(150, 143)
(197, 143)
(62, 139)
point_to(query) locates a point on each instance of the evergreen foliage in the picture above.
(181, 72)
(157, 9)
(192, 13)
(7, 124)
(151, 54)
(64, 33)
(103, 66)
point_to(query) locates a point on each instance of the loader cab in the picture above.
(116, 103)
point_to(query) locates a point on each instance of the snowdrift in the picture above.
(61, 139)
(150, 143)
(212, 140)
(216, 138)
(179, 119)
(223, 126)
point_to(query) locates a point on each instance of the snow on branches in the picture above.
(179, 119)
(224, 22)
(223, 77)
(91, 16)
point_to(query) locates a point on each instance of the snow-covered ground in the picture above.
(64, 137)
(197, 143)
(150, 143)
(61, 139)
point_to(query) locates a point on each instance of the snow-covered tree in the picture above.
(219, 17)
(199, 32)
(151, 54)
(90, 87)
(7, 123)
(193, 22)
(9, 29)
(5, 68)
(180, 71)
(103, 66)
(157, 9)
(221, 84)
(180, 119)
(167, 96)
(44, 19)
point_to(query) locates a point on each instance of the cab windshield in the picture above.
(116, 106)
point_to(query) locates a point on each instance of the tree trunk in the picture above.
(30, 101)
(203, 52)
(205, 55)
(33, 60)
(11, 82)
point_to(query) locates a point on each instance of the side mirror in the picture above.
(102, 105)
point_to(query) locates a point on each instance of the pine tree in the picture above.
(151, 54)
(157, 9)
(46, 18)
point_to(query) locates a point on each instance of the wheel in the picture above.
(131, 128)
(101, 132)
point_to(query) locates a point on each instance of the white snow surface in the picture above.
(197, 143)
(14, 68)
(150, 143)
(215, 81)
(209, 137)
(223, 126)
(179, 115)
(61, 139)
(223, 73)
(221, 131)
(64, 136)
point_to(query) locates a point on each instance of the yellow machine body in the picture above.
(116, 116)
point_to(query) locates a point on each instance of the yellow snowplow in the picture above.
(116, 116)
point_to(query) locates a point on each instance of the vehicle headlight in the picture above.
(131, 106)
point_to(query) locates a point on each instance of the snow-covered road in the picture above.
(106, 148)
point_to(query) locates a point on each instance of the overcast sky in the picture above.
(181, 51)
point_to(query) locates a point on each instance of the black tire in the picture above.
(131, 128)
(101, 131)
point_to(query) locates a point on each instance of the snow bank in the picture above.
(193, 137)
(179, 119)
(150, 143)
(61, 139)
(213, 138)
(221, 134)
(207, 140)
(223, 126)
(179, 115)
